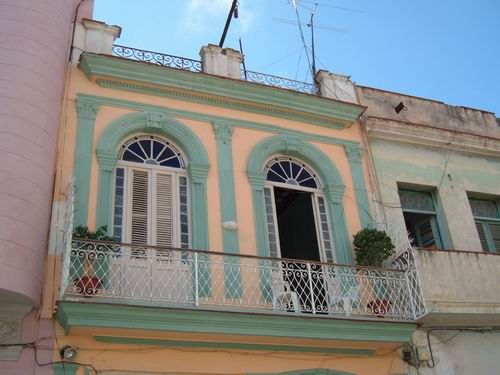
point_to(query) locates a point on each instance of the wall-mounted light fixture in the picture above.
(68, 353)
(400, 107)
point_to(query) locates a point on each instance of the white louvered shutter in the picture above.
(140, 207)
(163, 220)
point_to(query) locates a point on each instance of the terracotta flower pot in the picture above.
(379, 307)
(87, 286)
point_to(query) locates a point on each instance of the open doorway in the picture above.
(298, 238)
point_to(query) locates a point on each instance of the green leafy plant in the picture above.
(100, 234)
(372, 247)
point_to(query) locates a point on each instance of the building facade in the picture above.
(202, 223)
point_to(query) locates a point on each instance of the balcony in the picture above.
(111, 273)
(459, 287)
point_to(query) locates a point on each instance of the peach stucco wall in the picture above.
(244, 140)
(34, 46)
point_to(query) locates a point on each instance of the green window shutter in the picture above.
(428, 234)
(482, 235)
(495, 236)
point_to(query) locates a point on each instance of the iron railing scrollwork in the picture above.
(163, 59)
(281, 82)
(118, 273)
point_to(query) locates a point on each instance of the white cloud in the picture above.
(202, 15)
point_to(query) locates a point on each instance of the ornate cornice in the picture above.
(425, 135)
(202, 88)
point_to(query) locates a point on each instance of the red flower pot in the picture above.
(379, 307)
(87, 286)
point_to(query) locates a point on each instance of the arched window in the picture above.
(296, 211)
(151, 194)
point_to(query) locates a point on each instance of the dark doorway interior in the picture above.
(296, 227)
(298, 240)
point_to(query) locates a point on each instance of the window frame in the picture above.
(486, 221)
(152, 170)
(434, 221)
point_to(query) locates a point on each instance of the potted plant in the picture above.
(89, 283)
(372, 248)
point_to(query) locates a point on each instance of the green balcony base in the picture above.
(82, 314)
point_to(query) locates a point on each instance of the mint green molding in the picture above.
(223, 136)
(235, 346)
(62, 368)
(105, 315)
(333, 187)
(197, 165)
(218, 91)
(355, 156)
(86, 114)
(234, 121)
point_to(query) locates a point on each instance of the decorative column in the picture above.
(257, 180)
(107, 162)
(11, 318)
(86, 115)
(223, 135)
(334, 194)
(199, 212)
(354, 155)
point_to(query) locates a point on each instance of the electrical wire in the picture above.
(303, 39)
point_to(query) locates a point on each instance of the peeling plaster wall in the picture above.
(428, 112)
(462, 353)
(450, 173)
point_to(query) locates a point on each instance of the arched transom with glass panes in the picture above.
(296, 212)
(151, 194)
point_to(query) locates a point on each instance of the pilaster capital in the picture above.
(106, 159)
(223, 131)
(334, 193)
(198, 172)
(86, 109)
(257, 179)
(354, 153)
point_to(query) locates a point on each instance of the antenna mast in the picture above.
(313, 69)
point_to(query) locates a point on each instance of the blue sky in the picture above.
(439, 49)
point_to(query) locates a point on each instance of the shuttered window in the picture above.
(151, 195)
(487, 218)
(420, 217)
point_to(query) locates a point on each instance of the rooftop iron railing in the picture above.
(163, 59)
(183, 63)
(147, 275)
(281, 82)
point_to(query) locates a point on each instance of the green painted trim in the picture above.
(330, 176)
(198, 165)
(230, 93)
(75, 314)
(235, 122)
(86, 114)
(223, 136)
(62, 368)
(355, 156)
(442, 223)
(234, 346)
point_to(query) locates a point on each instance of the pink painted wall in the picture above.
(34, 46)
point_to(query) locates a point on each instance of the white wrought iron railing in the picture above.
(116, 273)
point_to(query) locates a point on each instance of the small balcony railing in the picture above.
(158, 58)
(118, 273)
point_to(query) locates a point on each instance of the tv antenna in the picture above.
(295, 3)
